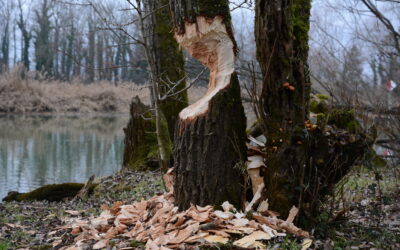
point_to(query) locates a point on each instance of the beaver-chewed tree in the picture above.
(147, 140)
(303, 163)
(209, 139)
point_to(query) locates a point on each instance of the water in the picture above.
(36, 150)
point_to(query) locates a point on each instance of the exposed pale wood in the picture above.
(209, 139)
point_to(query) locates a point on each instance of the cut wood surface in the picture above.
(209, 138)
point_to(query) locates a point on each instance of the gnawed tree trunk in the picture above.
(209, 139)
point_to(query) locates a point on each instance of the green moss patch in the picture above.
(52, 192)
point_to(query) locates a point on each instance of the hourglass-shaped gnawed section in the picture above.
(210, 135)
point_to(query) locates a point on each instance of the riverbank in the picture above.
(370, 220)
(31, 95)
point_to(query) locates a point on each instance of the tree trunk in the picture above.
(91, 52)
(141, 148)
(304, 161)
(209, 139)
(167, 58)
(282, 49)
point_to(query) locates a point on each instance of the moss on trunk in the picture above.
(168, 59)
(141, 145)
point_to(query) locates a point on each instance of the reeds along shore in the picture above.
(38, 95)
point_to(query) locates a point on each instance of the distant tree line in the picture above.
(64, 41)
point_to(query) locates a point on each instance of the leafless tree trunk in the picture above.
(209, 139)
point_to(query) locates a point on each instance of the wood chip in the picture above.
(101, 244)
(306, 244)
(220, 233)
(185, 233)
(216, 239)
(256, 197)
(169, 180)
(263, 207)
(73, 212)
(158, 223)
(223, 215)
(239, 222)
(227, 206)
(251, 239)
(194, 238)
(292, 214)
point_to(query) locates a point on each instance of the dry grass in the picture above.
(32, 95)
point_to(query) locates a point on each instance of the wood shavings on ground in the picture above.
(159, 225)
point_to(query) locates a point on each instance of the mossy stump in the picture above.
(140, 143)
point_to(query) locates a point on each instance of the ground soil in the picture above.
(371, 220)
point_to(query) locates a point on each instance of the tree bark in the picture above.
(282, 50)
(304, 160)
(140, 144)
(209, 148)
(167, 58)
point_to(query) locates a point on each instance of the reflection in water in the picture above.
(36, 150)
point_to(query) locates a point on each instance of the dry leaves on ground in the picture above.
(159, 224)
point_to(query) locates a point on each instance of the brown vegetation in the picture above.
(19, 95)
(30, 95)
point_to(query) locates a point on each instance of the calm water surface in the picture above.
(36, 150)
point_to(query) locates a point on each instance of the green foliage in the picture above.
(4, 245)
(135, 244)
(300, 13)
(319, 104)
(344, 119)
(290, 243)
(322, 97)
(318, 107)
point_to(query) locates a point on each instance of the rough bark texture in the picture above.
(168, 59)
(140, 144)
(282, 50)
(303, 162)
(209, 139)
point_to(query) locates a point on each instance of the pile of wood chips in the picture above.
(159, 224)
